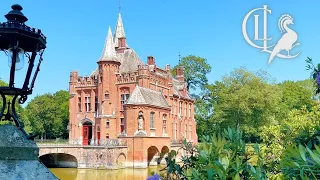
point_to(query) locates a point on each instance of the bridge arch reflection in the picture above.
(59, 160)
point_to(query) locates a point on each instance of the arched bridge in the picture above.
(111, 155)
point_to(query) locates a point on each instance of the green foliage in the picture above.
(301, 162)
(251, 101)
(48, 115)
(225, 156)
(195, 71)
(221, 156)
(245, 100)
(315, 70)
(18, 107)
(295, 95)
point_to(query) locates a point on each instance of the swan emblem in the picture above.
(287, 40)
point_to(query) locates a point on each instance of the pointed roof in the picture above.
(144, 96)
(119, 31)
(109, 52)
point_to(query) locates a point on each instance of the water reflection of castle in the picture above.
(126, 99)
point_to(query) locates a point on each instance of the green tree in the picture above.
(48, 115)
(245, 100)
(195, 71)
(19, 108)
(297, 95)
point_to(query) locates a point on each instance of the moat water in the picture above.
(94, 174)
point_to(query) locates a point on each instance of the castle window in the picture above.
(124, 98)
(189, 110)
(152, 126)
(107, 123)
(175, 131)
(164, 124)
(185, 109)
(96, 104)
(122, 125)
(107, 136)
(79, 104)
(180, 108)
(186, 131)
(107, 96)
(88, 104)
(175, 107)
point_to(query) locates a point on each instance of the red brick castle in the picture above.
(127, 99)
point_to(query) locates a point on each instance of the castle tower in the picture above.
(120, 37)
(72, 102)
(107, 91)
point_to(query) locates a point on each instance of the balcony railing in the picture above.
(79, 142)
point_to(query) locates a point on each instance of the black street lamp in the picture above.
(18, 40)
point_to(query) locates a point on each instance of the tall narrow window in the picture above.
(107, 123)
(186, 131)
(180, 108)
(124, 98)
(175, 107)
(122, 125)
(175, 131)
(107, 136)
(189, 110)
(190, 135)
(172, 129)
(88, 104)
(185, 109)
(107, 95)
(96, 104)
(152, 120)
(164, 124)
(79, 104)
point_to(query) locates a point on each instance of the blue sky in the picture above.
(76, 32)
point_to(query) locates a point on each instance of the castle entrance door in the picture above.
(87, 133)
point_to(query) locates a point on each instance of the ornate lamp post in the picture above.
(18, 41)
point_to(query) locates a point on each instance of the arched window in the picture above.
(107, 136)
(152, 126)
(108, 123)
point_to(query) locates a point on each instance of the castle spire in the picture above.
(109, 52)
(119, 31)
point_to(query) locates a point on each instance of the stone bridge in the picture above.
(113, 155)
(78, 156)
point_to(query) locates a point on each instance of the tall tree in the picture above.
(296, 95)
(245, 100)
(196, 70)
(48, 115)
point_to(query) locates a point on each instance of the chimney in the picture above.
(151, 60)
(73, 76)
(168, 68)
(121, 45)
(180, 74)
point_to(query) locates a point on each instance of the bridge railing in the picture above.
(79, 142)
